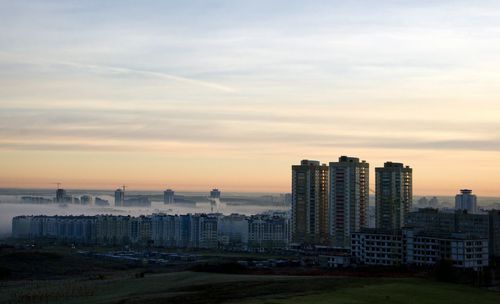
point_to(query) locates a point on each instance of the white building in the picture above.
(463, 250)
(419, 248)
(466, 201)
(375, 247)
(208, 237)
(165, 230)
(168, 196)
(233, 230)
(267, 232)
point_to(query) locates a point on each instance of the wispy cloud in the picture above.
(161, 75)
(260, 81)
(111, 70)
(152, 129)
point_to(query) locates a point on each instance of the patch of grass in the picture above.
(40, 264)
(403, 291)
(211, 288)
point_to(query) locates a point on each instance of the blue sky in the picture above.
(247, 88)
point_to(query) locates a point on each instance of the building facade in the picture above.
(168, 196)
(267, 232)
(86, 200)
(60, 195)
(215, 194)
(494, 232)
(233, 231)
(310, 202)
(466, 201)
(348, 199)
(119, 197)
(419, 248)
(377, 247)
(480, 225)
(393, 195)
(463, 250)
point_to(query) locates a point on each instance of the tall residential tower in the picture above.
(393, 195)
(466, 201)
(119, 197)
(60, 195)
(309, 202)
(215, 193)
(168, 196)
(348, 199)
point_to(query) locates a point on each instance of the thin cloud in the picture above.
(105, 69)
(122, 70)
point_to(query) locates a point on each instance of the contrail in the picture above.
(121, 70)
(116, 70)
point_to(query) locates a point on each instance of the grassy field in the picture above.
(406, 291)
(59, 275)
(190, 287)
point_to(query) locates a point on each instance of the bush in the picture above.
(5, 273)
(444, 271)
(229, 268)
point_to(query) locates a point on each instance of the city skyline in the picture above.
(161, 188)
(195, 95)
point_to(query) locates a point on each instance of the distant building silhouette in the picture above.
(86, 200)
(466, 201)
(60, 195)
(168, 196)
(119, 197)
(434, 202)
(215, 193)
(101, 202)
(288, 199)
(393, 195)
(423, 202)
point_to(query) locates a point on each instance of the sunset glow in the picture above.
(99, 94)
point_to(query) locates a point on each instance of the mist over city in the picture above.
(14, 202)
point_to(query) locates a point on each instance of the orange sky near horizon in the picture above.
(442, 175)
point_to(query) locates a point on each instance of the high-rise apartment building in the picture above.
(267, 232)
(393, 195)
(348, 199)
(168, 196)
(466, 201)
(215, 194)
(119, 197)
(310, 202)
(60, 195)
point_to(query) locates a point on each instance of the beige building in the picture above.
(348, 199)
(393, 195)
(310, 202)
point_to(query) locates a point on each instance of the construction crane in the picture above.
(58, 185)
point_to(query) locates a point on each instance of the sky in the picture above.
(192, 95)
